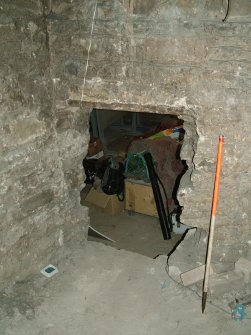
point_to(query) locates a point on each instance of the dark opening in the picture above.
(128, 217)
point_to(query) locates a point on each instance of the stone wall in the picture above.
(174, 57)
(41, 149)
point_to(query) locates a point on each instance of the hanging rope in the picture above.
(228, 11)
(88, 52)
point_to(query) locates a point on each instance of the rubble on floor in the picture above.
(226, 284)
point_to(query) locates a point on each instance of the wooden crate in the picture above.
(139, 198)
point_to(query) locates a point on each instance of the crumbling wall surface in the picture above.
(177, 55)
(41, 147)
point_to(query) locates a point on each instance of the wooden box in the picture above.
(139, 198)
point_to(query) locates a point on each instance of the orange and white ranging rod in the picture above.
(212, 222)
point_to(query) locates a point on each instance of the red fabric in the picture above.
(164, 152)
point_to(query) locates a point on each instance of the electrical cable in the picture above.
(88, 52)
(167, 212)
(228, 11)
(164, 224)
(167, 207)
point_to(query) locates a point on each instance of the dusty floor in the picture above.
(101, 290)
(138, 233)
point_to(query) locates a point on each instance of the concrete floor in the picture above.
(101, 290)
(138, 233)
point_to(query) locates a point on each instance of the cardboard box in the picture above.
(139, 198)
(108, 203)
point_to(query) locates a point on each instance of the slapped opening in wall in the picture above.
(126, 210)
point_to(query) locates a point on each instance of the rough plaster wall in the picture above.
(175, 55)
(41, 149)
(180, 57)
